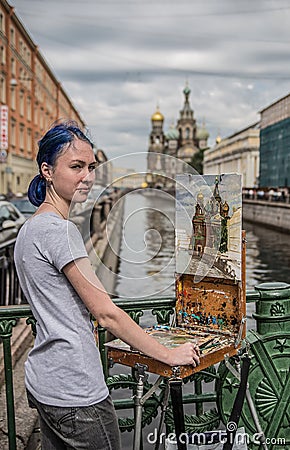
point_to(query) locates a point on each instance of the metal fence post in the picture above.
(6, 333)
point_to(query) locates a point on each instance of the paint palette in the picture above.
(210, 313)
(172, 337)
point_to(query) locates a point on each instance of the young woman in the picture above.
(63, 373)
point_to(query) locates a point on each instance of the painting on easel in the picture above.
(210, 275)
(209, 226)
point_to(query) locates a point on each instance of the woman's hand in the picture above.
(185, 354)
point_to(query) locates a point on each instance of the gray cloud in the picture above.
(118, 59)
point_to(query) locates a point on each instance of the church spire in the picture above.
(186, 92)
(186, 112)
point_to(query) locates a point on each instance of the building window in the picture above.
(12, 37)
(2, 23)
(187, 133)
(21, 103)
(13, 67)
(13, 133)
(28, 108)
(21, 47)
(21, 137)
(36, 114)
(29, 140)
(13, 98)
(2, 90)
(2, 55)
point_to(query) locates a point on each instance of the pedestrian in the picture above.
(63, 372)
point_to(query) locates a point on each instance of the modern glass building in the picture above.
(275, 144)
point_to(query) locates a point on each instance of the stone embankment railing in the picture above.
(273, 214)
(106, 234)
(93, 216)
(268, 195)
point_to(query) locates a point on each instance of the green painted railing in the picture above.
(272, 312)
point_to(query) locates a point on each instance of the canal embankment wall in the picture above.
(269, 214)
(105, 251)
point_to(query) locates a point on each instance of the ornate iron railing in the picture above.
(210, 386)
(162, 309)
(10, 292)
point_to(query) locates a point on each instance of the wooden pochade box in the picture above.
(210, 276)
(210, 313)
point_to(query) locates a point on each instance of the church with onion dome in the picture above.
(172, 151)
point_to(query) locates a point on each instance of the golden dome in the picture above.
(200, 196)
(225, 207)
(157, 116)
(218, 139)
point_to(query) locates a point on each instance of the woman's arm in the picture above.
(118, 322)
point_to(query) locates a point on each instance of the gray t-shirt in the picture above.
(63, 368)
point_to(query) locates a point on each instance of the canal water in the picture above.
(147, 259)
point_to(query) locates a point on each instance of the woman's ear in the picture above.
(46, 171)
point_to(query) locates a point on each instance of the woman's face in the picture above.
(73, 174)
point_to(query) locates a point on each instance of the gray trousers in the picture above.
(92, 427)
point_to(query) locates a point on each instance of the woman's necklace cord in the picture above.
(51, 204)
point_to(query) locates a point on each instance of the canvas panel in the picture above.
(209, 226)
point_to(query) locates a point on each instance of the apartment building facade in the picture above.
(31, 99)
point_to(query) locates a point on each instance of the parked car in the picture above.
(11, 219)
(24, 206)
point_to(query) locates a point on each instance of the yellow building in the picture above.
(31, 99)
(238, 153)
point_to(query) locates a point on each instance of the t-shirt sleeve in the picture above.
(63, 244)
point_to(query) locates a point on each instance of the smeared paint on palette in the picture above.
(172, 337)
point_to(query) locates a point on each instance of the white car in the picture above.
(11, 219)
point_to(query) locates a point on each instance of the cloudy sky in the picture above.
(118, 59)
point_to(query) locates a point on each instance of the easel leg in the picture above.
(138, 405)
(175, 386)
(162, 416)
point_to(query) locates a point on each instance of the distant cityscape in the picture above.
(32, 98)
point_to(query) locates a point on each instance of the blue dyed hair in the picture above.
(50, 147)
